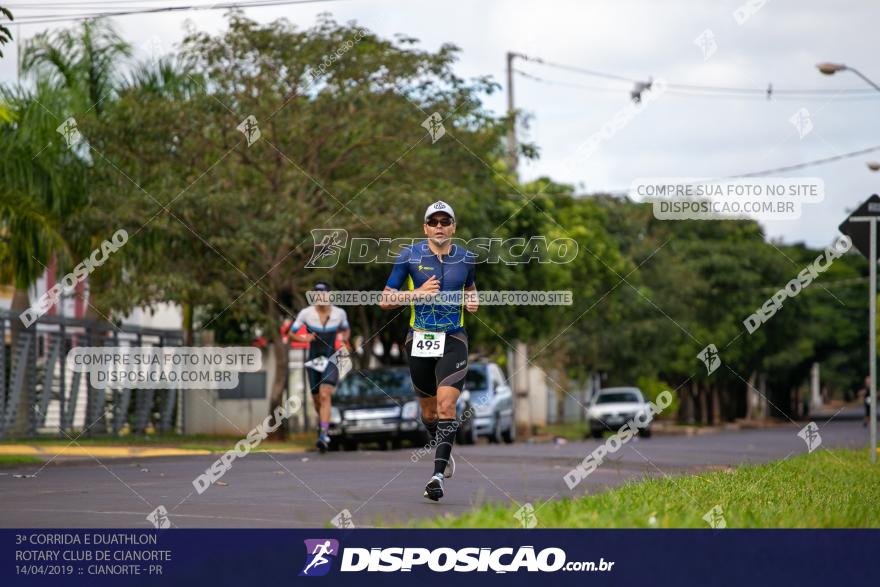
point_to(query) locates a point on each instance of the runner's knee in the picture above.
(446, 406)
(429, 408)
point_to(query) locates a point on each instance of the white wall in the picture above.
(204, 413)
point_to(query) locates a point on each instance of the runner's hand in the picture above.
(428, 288)
(471, 301)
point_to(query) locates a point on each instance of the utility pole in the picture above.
(864, 239)
(512, 159)
(868, 212)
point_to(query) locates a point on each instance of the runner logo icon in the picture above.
(320, 553)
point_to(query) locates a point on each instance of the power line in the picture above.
(55, 6)
(807, 163)
(775, 170)
(578, 69)
(80, 4)
(767, 92)
(869, 94)
(568, 84)
(38, 19)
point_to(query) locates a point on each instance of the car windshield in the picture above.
(475, 380)
(376, 383)
(617, 397)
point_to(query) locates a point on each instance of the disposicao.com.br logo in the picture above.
(443, 559)
(318, 556)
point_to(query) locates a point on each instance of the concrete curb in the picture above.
(61, 450)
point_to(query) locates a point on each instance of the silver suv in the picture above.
(492, 402)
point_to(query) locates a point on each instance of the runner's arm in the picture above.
(395, 281)
(392, 298)
(296, 325)
(471, 301)
(344, 329)
(307, 337)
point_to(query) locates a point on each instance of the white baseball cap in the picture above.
(439, 206)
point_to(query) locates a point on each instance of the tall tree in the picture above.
(5, 33)
(339, 112)
(84, 62)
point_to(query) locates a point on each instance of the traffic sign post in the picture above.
(861, 227)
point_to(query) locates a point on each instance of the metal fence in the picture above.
(40, 395)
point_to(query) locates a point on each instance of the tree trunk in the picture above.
(21, 425)
(20, 303)
(279, 381)
(96, 421)
(691, 414)
(704, 406)
(762, 389)
(683, 404)
(751, 397)
(187, 324)
(716, 405)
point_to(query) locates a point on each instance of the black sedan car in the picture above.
(380, 405)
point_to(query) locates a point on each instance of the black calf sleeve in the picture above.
(446, 430)
(431, 427)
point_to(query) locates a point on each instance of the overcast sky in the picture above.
(675, 135)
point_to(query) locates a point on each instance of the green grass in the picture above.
(839, 488)
(13, 460)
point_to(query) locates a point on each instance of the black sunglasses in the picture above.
(432, 222)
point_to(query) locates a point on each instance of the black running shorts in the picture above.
(330, 376)
(429, 373)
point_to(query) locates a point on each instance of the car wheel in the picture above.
(466, 434)
(348, 445)
(509, 435)
(596, 433)
(645, 432)
(495, 435)
(396, 444)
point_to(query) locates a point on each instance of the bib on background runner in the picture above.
(318, 364)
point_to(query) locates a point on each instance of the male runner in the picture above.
(437, 344)
(323, 321)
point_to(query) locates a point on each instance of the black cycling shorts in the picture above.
(429, 373)
(330, 376)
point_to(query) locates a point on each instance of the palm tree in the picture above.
(42, 183)
(5, 33)
(85, 63)
(85, 60)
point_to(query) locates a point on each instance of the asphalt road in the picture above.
(378, 487)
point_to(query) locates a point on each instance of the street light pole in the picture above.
(512, 159)
(872, 344)
(831, 69)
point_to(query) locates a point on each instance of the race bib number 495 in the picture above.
(428, 344)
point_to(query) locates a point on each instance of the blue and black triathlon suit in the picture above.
(414, 266)
(324, 343)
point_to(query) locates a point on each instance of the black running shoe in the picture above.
(434, 488)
